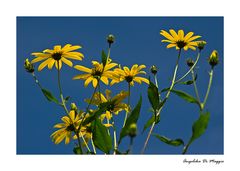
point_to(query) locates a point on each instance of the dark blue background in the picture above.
(137, 41)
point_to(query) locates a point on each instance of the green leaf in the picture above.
(132, 119)
(154, 117)
(49, 96)
(96, 114)
(185, 96)
(104, 58)
(151, 121)
(67, 98)
(176, 142)
(189, 82)
(77, 150)
(153, 96)
(101, 138)
(198, 128)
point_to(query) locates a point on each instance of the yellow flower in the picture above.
(129, 75)
(179, 40)
(69, 125)
(115, 103)
(57, 55)
(98, 72)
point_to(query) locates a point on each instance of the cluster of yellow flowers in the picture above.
(109, 73)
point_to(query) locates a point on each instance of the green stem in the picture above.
(85, 142)
(114, 136)
(126, 115)
(195, 86)
(195, 63)
(36, 80)
(60, 90)
(95, 89)
(209, 87)
(155, 78)
(94, 149)
(165, 99)
(63, 102)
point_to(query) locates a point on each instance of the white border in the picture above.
(11, 9)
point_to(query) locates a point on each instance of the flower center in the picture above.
(110, 107)
(70, 127)
(96, 72)
(129, 78)
(181, 44)
(57, 56)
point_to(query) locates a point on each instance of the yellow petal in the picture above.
(192, 47)
(174, 34)
(110, 66)
(66, 119)
(171, 45)
(57, 48)
(181, 34)
(108, 115)
(185, 48)
(68, 136)
(82, 68)
(127, 71)
(37, 59)
(94, 82)
(71, 56)
(51, 63)
(193, 38)
(107, 125)
(82, 76)
(104, 80)
(58, 64)
(188, 36)
(142, 79)
(72, 115)
(39, 54)
(60, 125)
(88, 81)
(66, 47)
(66, 61)
(167, 35)
(108, 94)
(43, 64)
(71, 48)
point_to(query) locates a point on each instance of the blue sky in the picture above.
(137, 41)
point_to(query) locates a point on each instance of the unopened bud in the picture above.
(28, 66)
(201, 44)
(73, 107)
(154, 69)
(190, 62)
(132, 130)
(213, 58)
(110, 39)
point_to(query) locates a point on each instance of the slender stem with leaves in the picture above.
(166, 97)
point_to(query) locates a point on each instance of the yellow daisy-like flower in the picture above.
(129, 75)
(115, 103)
(69, 125)
(56, 56)
(98, 72)
(179, 40)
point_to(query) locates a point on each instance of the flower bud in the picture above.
(73, 107)
(213, 58)
(190, 62)
(132, 130)
(28, 66)
(110, 39)
(201, 44)
(154, 70)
